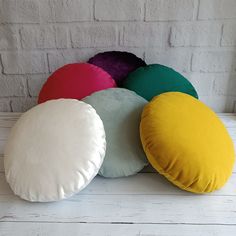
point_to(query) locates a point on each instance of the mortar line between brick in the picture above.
(197, 10)
(47, 59)
(1, 64)
(82, 22)
(119, 37)
(221, 34)
(10, 104)
(191, 63)
(20, 38)
(144, 10)
(94, 18)
(48, 50)
(27, 87)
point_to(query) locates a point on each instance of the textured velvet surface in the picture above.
(54, 150)
(120, 111)
(152, 80)
(76, 81)
(186, 142)
(117, 64)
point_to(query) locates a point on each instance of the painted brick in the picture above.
(62, 37)
(146, 35)
(234, 105)
(195, 34)
(8, 37)
(225, 84)
(229, 34)
(5, 105)
(35, 83)
(217, 9)
(176, 59)
(19, 11)
(60, 58)
(22, 104)
(1, 68)
(118, 10)
(165, 10)
(216, 61)
(66, 10)
(24, 62)
(202, 82)
(35, 37)
(219, 103)
(222, 103)
(94, 35)
(13, 86)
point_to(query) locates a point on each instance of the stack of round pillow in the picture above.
(85, 125)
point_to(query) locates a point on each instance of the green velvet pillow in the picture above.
(152, 80)
(120, 110)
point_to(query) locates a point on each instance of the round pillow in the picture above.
(75, 81)
(120, 111)
(117, 64)
(156, 79)
(54, 150)
(186, 142)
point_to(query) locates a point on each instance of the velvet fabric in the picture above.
(117, 64)
(186, 142)
(75, 81)
(152, 80)
(120, 111)
(54, 150)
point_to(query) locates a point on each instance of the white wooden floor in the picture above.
(145, 204)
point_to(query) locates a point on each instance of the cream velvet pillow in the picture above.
(54, 150)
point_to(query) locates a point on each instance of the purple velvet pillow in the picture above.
(117, 64)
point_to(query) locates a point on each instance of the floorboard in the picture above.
(88, 229)
(145, 204)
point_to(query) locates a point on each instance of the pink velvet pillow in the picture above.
(75, 81)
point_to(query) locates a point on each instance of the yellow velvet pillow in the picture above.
(186, 142)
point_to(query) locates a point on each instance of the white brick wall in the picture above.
(195, 37)
(94, 35)
(162, 10)
(43, 37)
(217, 9)
(195, 34)
(24, 62)
(119, 10)
(177, 58)
(214, 61)
(229, 34)
(13, 86)
(66, 10)
(145, 35)
(19, 11)
(8, 37)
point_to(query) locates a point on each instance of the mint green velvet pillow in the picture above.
(152, 80)
(120, 111)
